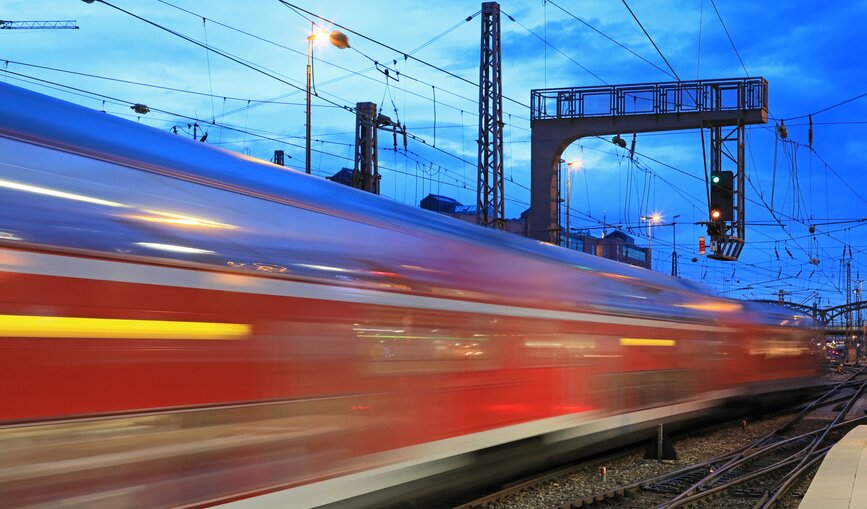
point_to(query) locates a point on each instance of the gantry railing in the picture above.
(650, 98)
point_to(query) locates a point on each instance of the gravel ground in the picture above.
(633, 468)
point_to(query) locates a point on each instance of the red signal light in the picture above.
(715, 214)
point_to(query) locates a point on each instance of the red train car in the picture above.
(182, 326)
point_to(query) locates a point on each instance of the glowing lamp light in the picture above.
(715, 179)
(337, 38)
(715, 214)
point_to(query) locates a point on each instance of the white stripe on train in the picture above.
(27, 262)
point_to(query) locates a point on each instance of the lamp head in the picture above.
(338, 39)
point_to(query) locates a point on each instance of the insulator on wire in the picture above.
(617, 140)
(782, 131)
(810, 133)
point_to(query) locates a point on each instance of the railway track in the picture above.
(772, 471)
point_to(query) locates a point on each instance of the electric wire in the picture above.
(651, 40)
(405, 54)
(731, 41)
(603, 34)
(558, 50)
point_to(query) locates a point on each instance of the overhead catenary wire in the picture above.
(603, 34)
(222, 53)
(823, 110)
(558, 50)
(161, 87)
(731, 41)
(651, 40)
(349, 72)
(405, 54)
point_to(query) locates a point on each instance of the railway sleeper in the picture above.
(591, 500)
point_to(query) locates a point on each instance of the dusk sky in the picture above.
(812, 55)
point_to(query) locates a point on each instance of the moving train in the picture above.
(183, 326)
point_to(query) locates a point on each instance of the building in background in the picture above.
(453, 208)
(344, 176)
(616, 246)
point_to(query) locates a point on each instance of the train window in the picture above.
(404, 348)
(558, 348)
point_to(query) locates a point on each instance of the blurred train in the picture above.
(183, 326)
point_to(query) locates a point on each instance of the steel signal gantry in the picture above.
(559, 116)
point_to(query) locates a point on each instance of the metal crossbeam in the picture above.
(701, 96)
(30, 25)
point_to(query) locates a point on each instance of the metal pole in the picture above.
(674, 243)
(309, 86)
(650, 242)
(560, 202)
(568, 206)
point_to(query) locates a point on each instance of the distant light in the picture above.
(715, 214)
(574, 164)
(57, 194)
(715, 179)
(656, 218)
(173, 248)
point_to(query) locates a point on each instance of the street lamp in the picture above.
(653, 218)
(674, 243)
(572, 165)
(337, 39)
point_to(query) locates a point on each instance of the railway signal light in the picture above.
(715, 228)
(721, 196)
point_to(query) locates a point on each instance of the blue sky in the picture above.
(811, 54)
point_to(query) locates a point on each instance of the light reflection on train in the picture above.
(182, 326)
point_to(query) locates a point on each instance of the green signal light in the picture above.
(715, 179)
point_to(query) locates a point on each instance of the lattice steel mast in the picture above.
(490, 205)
